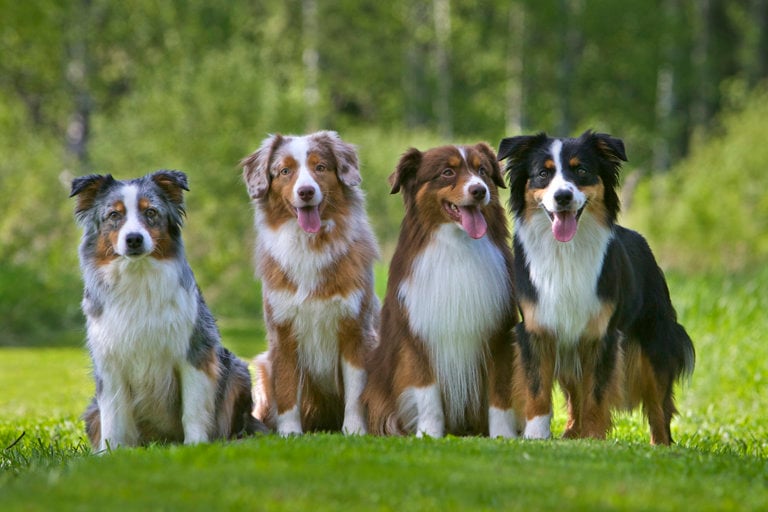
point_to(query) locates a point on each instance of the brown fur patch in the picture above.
(644, 386)
(285, 377)
(597, 326)
(595, 204)
(165, 248)
(533, 199)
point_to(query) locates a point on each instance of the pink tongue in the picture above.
(564, 226)
(472, 221)
(309, 219)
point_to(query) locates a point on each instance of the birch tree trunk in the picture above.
(442, 20)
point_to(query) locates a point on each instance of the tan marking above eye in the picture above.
(285, 166)
(574, 162)
(549, 164)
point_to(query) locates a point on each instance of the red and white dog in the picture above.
(446, 354)
(314, 253)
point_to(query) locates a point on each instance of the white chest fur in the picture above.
(456, 295)
(315, 322)
(565, 275)
(146, 322)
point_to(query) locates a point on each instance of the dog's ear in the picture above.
(516, 148)
(86, 188)
(347, 162)
(256, 167)
(406, 169)
(609, 147)
(495, 171)
(173, 183)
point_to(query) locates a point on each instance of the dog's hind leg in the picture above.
(602, 372)
(658, 406)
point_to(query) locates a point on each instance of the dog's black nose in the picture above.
(477, 191)
(563, 197)
(306, 193)
(134, 241)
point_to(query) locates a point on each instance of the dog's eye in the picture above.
(319, 168)
(150, 213)
(114, 215)
(543, 174)
(481, 170)
(448, 173)
(581, 172)
(285, 171)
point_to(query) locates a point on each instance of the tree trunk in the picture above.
(670, 131)
(310, 59)
(78, 71)
(569, 56)
(757, 67)
(415, 85)
(515, 113)
(442, 20)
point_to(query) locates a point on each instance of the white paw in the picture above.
(289, 423)
(501, 423)
(354, 425)
(538, 427)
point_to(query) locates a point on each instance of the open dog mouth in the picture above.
(309, 218)
(564, 223)
(470, 218)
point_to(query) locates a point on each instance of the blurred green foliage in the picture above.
(129, 87)
(711, 211)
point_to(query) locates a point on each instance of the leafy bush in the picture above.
(711, 211)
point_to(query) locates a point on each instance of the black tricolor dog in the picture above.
(597, 314)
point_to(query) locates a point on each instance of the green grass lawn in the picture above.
(719, 463)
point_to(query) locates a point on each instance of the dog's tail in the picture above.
(686, 354)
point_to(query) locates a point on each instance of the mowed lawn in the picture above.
(719, 463)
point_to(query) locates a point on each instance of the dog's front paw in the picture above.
(195, 435)
(538, 427)
(289, 423)
(354, 425)
(501, 423)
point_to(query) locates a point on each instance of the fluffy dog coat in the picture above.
(314, 253)
(597, 314)
(161, 372)
(446, 355)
